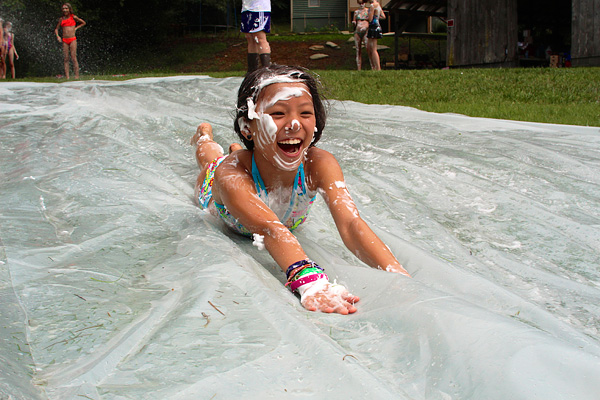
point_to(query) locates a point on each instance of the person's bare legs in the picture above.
(373, 54)
(358, 40)
(259, 50)
(258, 43)
(66, 59)
(2, 62)
(207, 150)
(2, 65)
(11, 61)
(73, 47)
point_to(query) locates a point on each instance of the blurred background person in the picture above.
(256, 23)
(374, 33)
(69, 23)
(361, 25)
(11, 50)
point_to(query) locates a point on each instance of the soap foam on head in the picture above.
(267, 129)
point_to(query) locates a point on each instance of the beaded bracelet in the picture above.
(302, 273)
(291, 271)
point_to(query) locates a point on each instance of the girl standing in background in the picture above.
(69, 25)
(11, 50)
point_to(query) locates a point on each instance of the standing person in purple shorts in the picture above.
(256, 23)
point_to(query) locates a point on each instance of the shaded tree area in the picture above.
(115, 29)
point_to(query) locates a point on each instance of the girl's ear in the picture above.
(247, 134)
(245, 128)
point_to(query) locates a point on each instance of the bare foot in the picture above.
(235, 147)
(204, 132)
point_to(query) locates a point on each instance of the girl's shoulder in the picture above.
(316, 154)
(319, 163)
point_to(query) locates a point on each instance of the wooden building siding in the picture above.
(330, 12)
(585, 33)
(484, 33)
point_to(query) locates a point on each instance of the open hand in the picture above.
(329, 298)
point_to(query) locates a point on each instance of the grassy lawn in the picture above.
(551, 95)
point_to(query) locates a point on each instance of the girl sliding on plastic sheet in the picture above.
(266, 190)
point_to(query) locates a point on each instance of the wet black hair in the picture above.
(250, 88)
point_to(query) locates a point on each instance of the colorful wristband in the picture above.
(307, 279)
(298, 266)
(306, 271)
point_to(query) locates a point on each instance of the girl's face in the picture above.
(283, 124)
(66, 10)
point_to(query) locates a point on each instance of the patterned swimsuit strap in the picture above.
(261, 189)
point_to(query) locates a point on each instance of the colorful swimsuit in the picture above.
(362, 14)
(375, 31)
(294, 216)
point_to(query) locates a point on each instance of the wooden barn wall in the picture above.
(585, 33)
(484, 33)
(330, 12)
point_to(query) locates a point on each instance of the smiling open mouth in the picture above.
(290, 146)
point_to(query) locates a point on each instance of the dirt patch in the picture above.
(233, 58)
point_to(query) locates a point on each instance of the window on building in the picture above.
(314, 3)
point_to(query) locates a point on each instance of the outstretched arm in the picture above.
(355, 233)
(235, 189)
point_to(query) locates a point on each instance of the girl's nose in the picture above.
(293, 126)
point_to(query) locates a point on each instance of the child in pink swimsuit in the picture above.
(11, 50)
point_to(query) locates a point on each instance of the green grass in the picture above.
(560, 96)
(551, 95)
